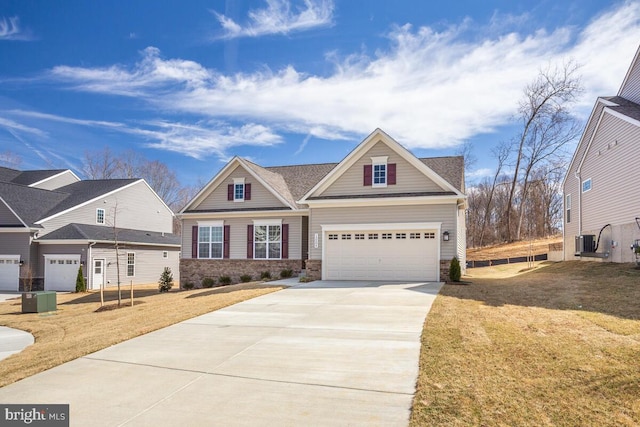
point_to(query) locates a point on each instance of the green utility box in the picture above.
(38, 302)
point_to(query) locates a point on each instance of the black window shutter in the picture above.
(368, 171)
(391, 174)
(194, 241)
(230, 192)
(247, 191)
(225, 240)
(250, 241)
(285, 241)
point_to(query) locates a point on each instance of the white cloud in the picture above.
(280, 17)
(13, 126)
(427, 88)
(479, 174)
(10, 30)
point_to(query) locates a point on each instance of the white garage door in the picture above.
(60, 272)
(381, 255)
(9, 272)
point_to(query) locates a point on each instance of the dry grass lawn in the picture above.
(557, 346)
(512, 250)
(79, 327)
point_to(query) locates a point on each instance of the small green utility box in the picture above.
(38, 302)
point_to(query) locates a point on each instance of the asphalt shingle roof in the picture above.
(626, 107)
(30, 204)
(31, 177)
(100, 233)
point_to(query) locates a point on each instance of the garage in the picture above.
(60, 272)
(9, 272)
(381, 254)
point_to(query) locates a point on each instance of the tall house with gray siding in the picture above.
(601, 197)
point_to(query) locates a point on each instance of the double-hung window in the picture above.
(210, 241)
(99, 216)
(267, 241)
(568, 208)
(131, 264)
(379, 169)
(238, 190)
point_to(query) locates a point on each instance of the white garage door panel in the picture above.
(401, 256)
(60, 272)
(9, 272)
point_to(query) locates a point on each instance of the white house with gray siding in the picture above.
(379, 214)
(601, 197)
(51, 223)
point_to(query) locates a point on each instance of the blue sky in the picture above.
(285, 82)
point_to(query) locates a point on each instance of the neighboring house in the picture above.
(379, 214)
(51, 222)
(601, 197)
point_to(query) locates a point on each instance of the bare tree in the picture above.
(466, 151)
(546, 124)
(101, 164)
(10, 159)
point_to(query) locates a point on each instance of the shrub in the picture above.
(81, 285)
(284, 274)
(188, 286)
(224, 280)
(208, 282)
(245, 278)
(265, 275)
(166, 280)
(454, 270)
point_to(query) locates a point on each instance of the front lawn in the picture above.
(556, 346)
(80, 326)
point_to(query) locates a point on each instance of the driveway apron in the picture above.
(317, 354)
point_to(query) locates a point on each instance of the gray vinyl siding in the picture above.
(136, 207)
(15, 244)
(444, 213)
(614, 197)
(572, 185)
(238, 236)
(149, 264)
(57, 182)
(408, 178)
(43, 250)
(631, 89)
(260, 196)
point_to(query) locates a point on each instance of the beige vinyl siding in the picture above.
(7, 218)
(128, 204)
(408, 178)
(444, 213)
(15, 244)
(149, 264)
(462, 238)
(631, 89)
(260, 196)
(61, 250)
(65, 178)
(238, 237)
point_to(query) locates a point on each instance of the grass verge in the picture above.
(80, 326)
(557, 346)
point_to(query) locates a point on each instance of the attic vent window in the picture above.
(586, 185)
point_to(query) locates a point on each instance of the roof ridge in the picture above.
(78, 229)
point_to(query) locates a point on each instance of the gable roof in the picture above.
(29, 204)
(29, 177)
(293, 182)
(99, 233)
(379, 135)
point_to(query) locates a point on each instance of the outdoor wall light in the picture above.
(445, 236)
(21, 263)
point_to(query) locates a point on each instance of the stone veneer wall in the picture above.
(314, 269)
(194, 270)
(445, 265)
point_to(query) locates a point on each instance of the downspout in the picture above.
(577, 174)
(89, 263)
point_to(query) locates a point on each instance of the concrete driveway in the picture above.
(322, 353)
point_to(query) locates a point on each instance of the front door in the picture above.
(98, 273)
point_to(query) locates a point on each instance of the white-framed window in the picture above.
(567, 206)
(359, 236)
(586, 185)
(238, 189)
(387, 236)
(99, 216)
(346, 236)
(373, 236)
(267, 241)
(333, 237)
(429, 235)
(401, 235)
(210, 241)
(165, 254)
(379, 171)
(131, 264)
(414, 235)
